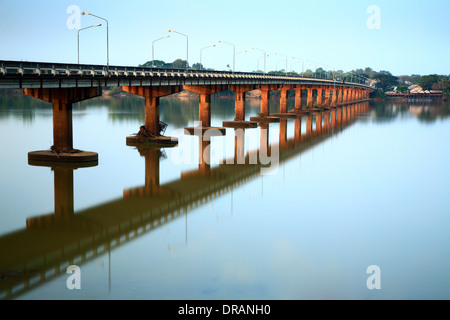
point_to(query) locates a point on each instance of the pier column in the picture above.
(204, 106)
(309, 102)
(327, 97)
(205, 110)
(151, 96)
(62, 100)
(334, 97)
(319, 96)
(239, 106)
(265, 101)
(298, 98)
(283, 100)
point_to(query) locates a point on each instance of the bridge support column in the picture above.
(320, 97)
(239, 109)
(204, 109)
(327, 101)
(334, 98)
(150, 131)
(283, 104)
(298, 100)
(264, 113)
(62, 100)
(309, 102)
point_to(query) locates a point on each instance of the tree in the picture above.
(198, 66)
(426, 82)
(179, 64)
(386, 80)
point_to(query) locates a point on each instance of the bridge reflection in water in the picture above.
(49, 244)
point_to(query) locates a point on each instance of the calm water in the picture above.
(157, 224)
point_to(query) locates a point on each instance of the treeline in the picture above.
(388, 82)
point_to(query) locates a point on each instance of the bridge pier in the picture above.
(150, 131)
(309, 101)
(62, 100)
(283, 104)
(319, 102)
(264, 113)
(239, 109)
(205, 93)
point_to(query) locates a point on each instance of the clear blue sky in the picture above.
(413, 37)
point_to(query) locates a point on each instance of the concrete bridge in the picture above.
(65, 84)
(50, 243)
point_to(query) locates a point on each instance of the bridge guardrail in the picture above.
(38, 69)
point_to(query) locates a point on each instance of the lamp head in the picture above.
(85, 13)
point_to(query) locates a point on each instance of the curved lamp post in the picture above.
(265, 55)
(187, 47)
(234, 51)
(210, 46)
(78, 39)
(153, 49)
(286, 58)
(303, 63)
(107, 35)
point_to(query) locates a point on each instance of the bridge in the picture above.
(50, 243)
(65, 84)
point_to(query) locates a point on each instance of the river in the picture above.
(362, 204)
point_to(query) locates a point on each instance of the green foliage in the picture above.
(386, 81)
(402, 88)
(427, 82)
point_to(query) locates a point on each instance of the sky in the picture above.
(403, 37)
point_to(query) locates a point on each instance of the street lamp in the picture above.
(213, 45)
(153, 49)
(278, 63)
(78, 38)
(286, 70)
(303, 63)
(107, 36)
(187, 47)
(264, 57)
(234, 51)
(257, 63)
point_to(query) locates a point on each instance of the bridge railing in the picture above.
(42, 69)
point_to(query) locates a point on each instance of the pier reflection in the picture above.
(50, 243)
